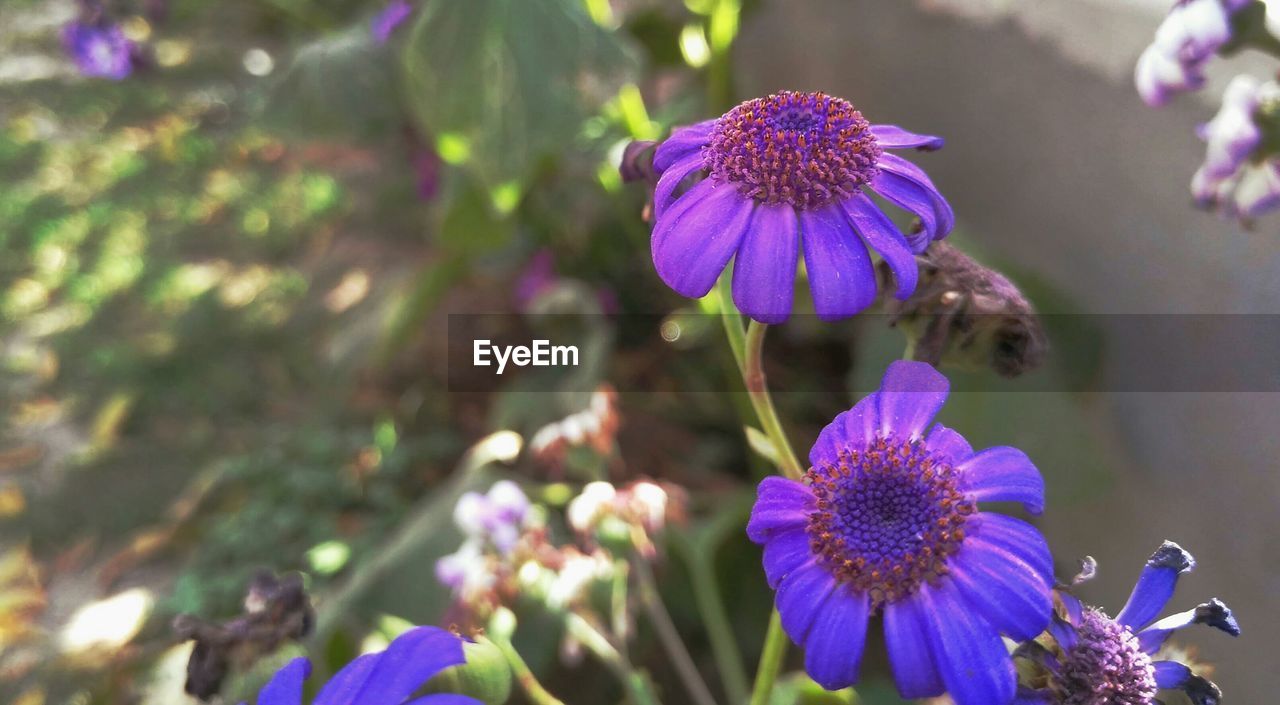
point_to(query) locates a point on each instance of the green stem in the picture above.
(775, 647)
(732, 321)
(636, 683)
(651, 600)
(757, 387)
(529, 683)
(724, 646)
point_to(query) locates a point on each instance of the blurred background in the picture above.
(226, 282)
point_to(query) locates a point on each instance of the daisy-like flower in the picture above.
(1192, 32)
(389, 18)
(785, 174)
(1101, 660)
(887, 521)
(387, 677)
(99, 51)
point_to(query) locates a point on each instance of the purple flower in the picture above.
(1100, 660)
(497, 516)
(887, 521)
(1230, 137)
(1192, 32)
(388, 677)
(99, 51)
(391, 16)
(787, 174)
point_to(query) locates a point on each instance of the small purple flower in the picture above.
(1104, 661)
(1230, 137)
(100, 51)
(1192, 32)
(887, 521)
(391, 17)
(388, 677)
(787, 174)
(497, 516)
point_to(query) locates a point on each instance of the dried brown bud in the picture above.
(963, 312)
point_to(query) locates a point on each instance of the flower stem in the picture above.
(637, 684)
(775, 647)
(529, 683)
(757, 387)
(670, 638)
(724, 645)
(732, 320)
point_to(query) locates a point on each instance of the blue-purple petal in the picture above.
(912, 197)
(1171, 674)
(1155, 585)
(894, 137)
(781, 505)
(799, 596)
(670, 181)
(682, 142)
(884, 237)
(1012, 595)
(946, 218)
(841, 277)
(833, 648)
(910, 657)
(285, 687)
(692, 244)
(764, 270)
(910, 395)
(1213, 613)
(346, 683)
(1012, 539)
(852, 429)
(785, 552)
(1003, 474)
(949, 444)
(409, 662)
(972, 659)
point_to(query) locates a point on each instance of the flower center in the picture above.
(1106, 666)
(805, 149)
(888, 517)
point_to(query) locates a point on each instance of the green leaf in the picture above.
(762, 445)
(340, 85)
(512, 80)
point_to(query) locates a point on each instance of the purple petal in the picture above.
(1012, 539)
(781, 505)
(386, 21)
(949, 444)
(884, 237)
(841, 277)
(910, 196)
(852, 429)
(1012, 595)
(1003, 474)
(799, 596)
(411, 660)
(1213, 613)
(1155, 585)
(910, 395)
(909, 656)
(946, 218)
(285, 687)
(671, 180)
(764, 270)
(1171, 674)
(894, 137)
(683, 142)
(693, 241)
(1033, 697)
(971, 657)
(833, 649)
(785, 552)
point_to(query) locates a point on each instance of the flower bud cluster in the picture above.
(632, 516)
(594, 427)
(1192, 32)
(1237, 178)
(494, 525)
